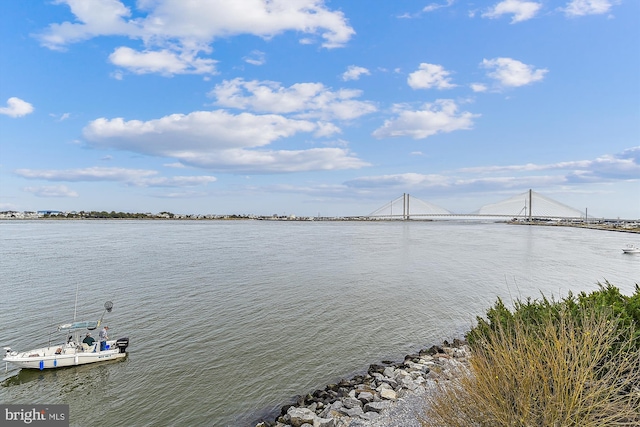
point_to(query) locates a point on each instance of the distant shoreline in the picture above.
(605, 227)
(624, 226)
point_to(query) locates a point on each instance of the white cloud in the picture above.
(430, 76)
(16, 107)
(176, 165)
(136, 177)
(439, 117)
(60, 117)
(87, 174)
(588, 7)
(610, 168)
(256, 58)
(446, 184)
(304, 100)
(478, 87)
(354, 72)
(402, 180)
(176, 181)
(624, 166)
(199, 131)
(326, 129)
(275, 161)
(520, 9)
(51, 191)
(175, 33)
(96, 17)
(512, 73)
(163, 62)
(221, 141)
(435, 6)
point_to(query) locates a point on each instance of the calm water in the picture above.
(230, 320)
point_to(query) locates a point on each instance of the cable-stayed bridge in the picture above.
(527, 205)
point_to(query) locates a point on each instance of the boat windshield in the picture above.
(78, 325)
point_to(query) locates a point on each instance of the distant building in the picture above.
(50, 213)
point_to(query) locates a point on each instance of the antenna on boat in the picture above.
(75, 307)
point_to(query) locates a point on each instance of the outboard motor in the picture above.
(122, 344)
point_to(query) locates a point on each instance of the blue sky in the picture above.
(311, 107)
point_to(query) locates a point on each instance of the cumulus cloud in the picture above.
(445, 184)
(441, 116)
(275, 161)
(86, 174)
(588, 7)
(430, 76)
(512, 73)
(163, 62)
(520, 9)
(221, 141)
(175, 33)
(304, 100)
(16, 107)
(354, 72)
(136, 177)
(95, 18)
(199, 131)
(624, 166)
(478, 87)
(51, 191)
(402, 180)
(620, 166)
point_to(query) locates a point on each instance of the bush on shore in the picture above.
(574, 362)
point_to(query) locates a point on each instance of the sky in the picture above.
(311, 107)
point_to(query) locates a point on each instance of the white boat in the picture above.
(72, 351)
(631, 249)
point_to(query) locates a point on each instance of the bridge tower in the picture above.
(412, 207)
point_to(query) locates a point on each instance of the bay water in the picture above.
(229, 320)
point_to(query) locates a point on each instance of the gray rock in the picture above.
(332, 410)
(409, 384)
(388, 372)
(390, 381)
(324, 422)
(378, 376)
(351, 402)
(352, 412)
(388, 394)
(300, 416)
(376, 406)
(365, 397)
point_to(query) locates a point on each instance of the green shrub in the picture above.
(574, 362)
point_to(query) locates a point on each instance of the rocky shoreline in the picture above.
(389, 394)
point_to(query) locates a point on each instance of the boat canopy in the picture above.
(78, 325)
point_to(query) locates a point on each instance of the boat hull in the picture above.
(63, 356)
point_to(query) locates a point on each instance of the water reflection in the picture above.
(68, 379)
